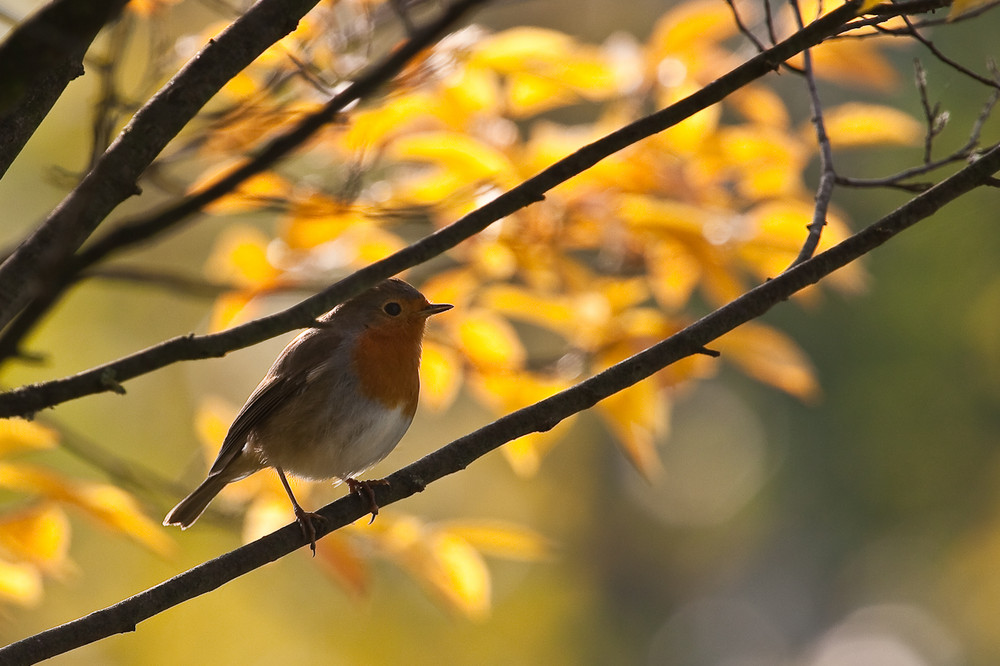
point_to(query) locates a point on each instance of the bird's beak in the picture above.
(436, 308)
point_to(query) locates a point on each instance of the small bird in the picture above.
(336, 401)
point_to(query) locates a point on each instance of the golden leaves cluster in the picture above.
(613, 260)
(34, 526)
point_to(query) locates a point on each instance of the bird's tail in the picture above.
(192, 506)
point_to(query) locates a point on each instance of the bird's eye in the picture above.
(392, 308)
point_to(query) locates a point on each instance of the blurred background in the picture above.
(859, 527)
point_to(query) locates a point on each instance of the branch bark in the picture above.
(29, 399)
(52, 283)
(114, 177)
(39, 59)
(541, 416)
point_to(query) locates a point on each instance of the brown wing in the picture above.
(286, 378)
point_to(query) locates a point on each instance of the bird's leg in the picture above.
(364, 490)
(305, 518)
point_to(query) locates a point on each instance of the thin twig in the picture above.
(541, 416)
(957, 66)
(52, 245)
(29, 399)
(827, 175)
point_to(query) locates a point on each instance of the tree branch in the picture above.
(827, 175)
(541, 416)
(55, 282)
(114, 177)
(29, 399)
(38, 60)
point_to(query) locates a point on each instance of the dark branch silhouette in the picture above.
(65, 266)
(541, 416)
(29, 399)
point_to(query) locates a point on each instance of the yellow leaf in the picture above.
(690, 135)
(374, 127)
(552, 311)
(23, 435)
(343, 562)
(317, 219)
(529, 94)
(509, 391)
(110, 506)
(489, 341)
(647, 212)
(857, 124)
(229, 310)
(254, 193)
(772, 357)
(20, 583)
(211, 423)
(38, 534)
(760, 105)
(690, 26)
(856, 62)
(240, 257)
(459, 154)
(522, 49)
(674, 273)
(500, 539)
(116, 509)
(440, 376)
(637, 416)
(444, 563)
(769, 160)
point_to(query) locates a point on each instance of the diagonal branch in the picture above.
(38, 60)
(28, 399)
(541, 416)
(827, 175)
(114, 177)
(51, 284)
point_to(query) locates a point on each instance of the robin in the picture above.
(336, 401)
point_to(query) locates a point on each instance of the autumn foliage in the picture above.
(614, 260)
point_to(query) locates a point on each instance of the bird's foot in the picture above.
(365, 490)
(305, 520)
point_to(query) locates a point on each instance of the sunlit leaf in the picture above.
(691, 26)
(377, 126)
(341, 559)
(522, 49)
(444, 563)
(20, 583)
(856, 124)
(317, 219)
(647, 212)
(489, 341)
(772, 357)
(638, 416)
(23, 435)
(509, 391)
(116, 509)
(500, 539)
(38, 534)
(240, 257)
(460, 154)
(108, 505)
(769, 161)
(229, 310)
(855, 62)
(761, 106)
(440, 376)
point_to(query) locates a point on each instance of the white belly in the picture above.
(344, 447)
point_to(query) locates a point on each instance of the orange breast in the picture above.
(387, 361)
